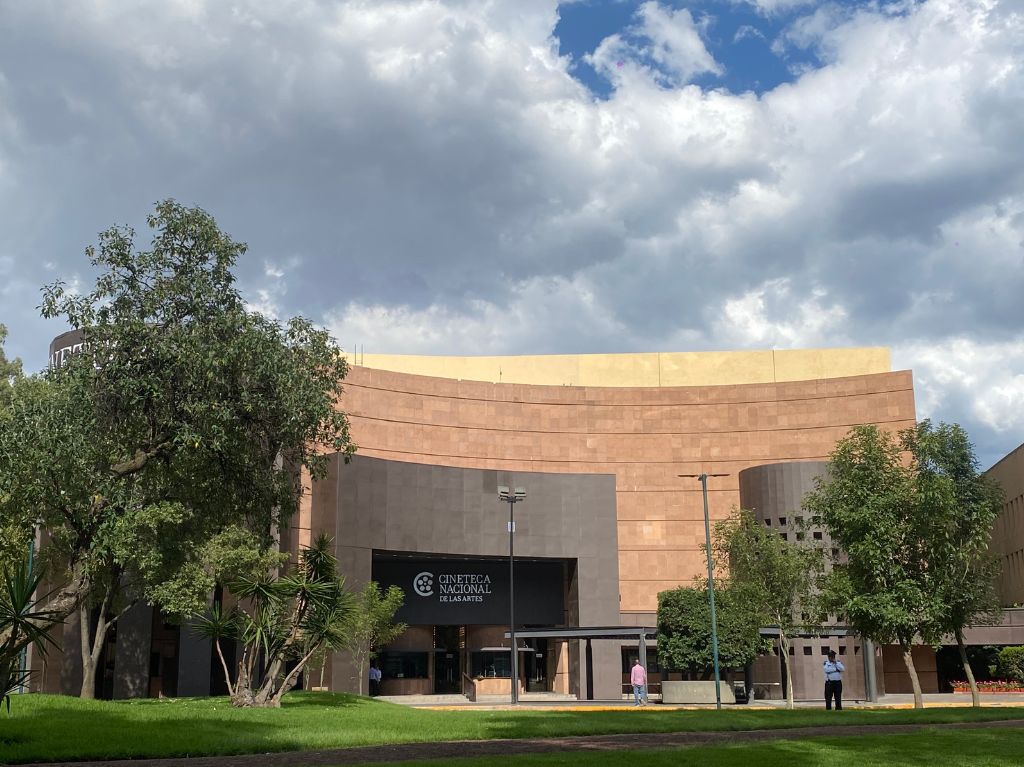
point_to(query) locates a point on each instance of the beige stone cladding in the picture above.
(645, 436)
(1008, 532)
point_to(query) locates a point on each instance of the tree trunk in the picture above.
(361, 670)
(908, 659)
(224, 665)
(784, 642)
(290, 680)
(241, 695)
(88, 689)
(975, 696)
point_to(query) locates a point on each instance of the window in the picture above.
(403, 665)
(490, 664)
(630, 654)
(835, 553)
(842, 649)
(799, 536)
(817, 536)
(824, 649)
(816, 520)
(782, 520)
(785, 537)
(799, 520)
(767, 523)
(807, 651)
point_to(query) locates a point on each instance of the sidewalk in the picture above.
(950, 700)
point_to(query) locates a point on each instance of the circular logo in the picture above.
(423, 584)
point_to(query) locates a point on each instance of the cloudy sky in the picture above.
(525, 176)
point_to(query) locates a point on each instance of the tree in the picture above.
(962, 505)
(10, 370)
(281, 622)
(780, 575)
(684, 628)
(887, 588)
(372, 625)
(185, 415)
(15, 532)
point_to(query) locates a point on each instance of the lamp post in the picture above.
(512, 497)
(703, 479)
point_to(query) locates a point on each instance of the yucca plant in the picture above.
(22, 624)
(280, 621)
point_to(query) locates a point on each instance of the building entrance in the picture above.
(448, 644)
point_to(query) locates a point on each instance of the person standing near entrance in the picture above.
(374, 679)
(834, 681)
(638, 678)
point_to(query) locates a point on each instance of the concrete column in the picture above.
(590, 671)
(131, 655)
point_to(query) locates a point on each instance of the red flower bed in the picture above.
(993, 686)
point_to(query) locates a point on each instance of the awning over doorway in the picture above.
(588, 634)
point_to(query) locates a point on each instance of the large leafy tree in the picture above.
(684, 628)
(10, 370)
(372, 625)
(962, 505)
(16, 531)
(888, 587)
(781, 576)
(186, 415)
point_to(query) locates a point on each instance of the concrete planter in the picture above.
(694, 692)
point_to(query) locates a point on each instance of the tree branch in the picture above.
(139, 460)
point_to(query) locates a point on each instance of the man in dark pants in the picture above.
(834, 681)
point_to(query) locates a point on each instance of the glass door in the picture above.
(447, 660)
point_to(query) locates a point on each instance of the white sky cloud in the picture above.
(429, 176)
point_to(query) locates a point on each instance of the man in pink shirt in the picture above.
(638, 678)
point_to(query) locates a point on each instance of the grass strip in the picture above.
(57, 728)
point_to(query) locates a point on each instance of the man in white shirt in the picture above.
(834, 681)
(374, 679)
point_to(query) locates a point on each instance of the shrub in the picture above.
(1010, 663)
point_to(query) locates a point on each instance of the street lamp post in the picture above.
(512, 497)
(703, 479)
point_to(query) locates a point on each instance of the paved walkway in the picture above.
(506, 748)
(950, 700)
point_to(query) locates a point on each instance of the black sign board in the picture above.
(472, 591)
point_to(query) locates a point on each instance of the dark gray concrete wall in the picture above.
(374, 504)
(195, 655)
(131, 658)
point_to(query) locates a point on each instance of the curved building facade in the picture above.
(627, 425)
(644, 436)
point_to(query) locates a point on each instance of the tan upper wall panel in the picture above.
(648, 369)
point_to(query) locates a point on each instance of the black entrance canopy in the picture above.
(588, 633)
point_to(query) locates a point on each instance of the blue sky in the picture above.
(736, 34)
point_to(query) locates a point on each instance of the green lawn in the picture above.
(928, 749)
(42, 728)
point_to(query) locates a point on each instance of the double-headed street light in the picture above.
(512, 497)
(703, 479)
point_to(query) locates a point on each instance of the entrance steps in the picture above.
(428, 700)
